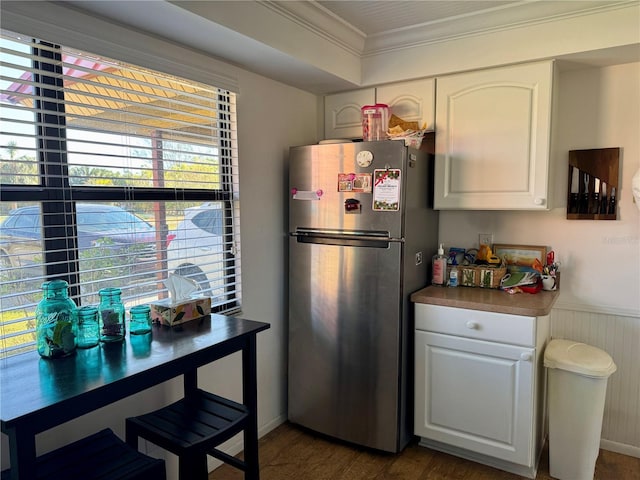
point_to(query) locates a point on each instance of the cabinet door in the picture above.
(411, 101)
(475, 395)
(342, 113)
(493, 138)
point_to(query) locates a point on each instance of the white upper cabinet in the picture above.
(412, 101)
(493, 130)
(342, 113)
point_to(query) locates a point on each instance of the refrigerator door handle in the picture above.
(345, 236)
(345, 239)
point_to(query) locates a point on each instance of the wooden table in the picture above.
(37, 394)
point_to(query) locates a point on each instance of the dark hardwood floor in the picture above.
(292, 453)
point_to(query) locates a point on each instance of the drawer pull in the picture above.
(526, 356)
(472, 325)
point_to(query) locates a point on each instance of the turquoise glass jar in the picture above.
(139, 320)
(88, 327)
(111, 314)
(56, 321)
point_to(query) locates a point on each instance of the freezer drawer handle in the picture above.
(345, 240)
(337, 236)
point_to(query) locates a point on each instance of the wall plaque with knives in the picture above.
(593, 184)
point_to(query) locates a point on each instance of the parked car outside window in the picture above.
(122, 237)
(195, 248)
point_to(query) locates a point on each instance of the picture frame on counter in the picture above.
(521, 258)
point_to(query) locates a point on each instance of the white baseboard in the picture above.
(276, 422)
(620, 448)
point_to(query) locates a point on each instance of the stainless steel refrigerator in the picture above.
(361, 236)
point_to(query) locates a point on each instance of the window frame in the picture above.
(58, 196)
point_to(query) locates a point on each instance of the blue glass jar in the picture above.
(139, 320)
(56, 321)
(141, 344)
(111, 313)
(88, 327)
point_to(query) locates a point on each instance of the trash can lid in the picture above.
(578, 358)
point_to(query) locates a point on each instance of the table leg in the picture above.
(22, 453)
(250, 399)
(190, 382)
(193, 467)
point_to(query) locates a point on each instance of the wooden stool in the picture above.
(101, 456)
(191, 428)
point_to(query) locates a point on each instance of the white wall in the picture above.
(271, 117)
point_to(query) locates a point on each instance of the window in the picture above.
(110, 175)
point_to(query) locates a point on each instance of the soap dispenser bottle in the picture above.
(439, 268)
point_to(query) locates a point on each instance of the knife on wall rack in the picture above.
(604, 206)
(584, 204)
(592, 184)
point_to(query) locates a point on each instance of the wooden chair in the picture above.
(192, 428)
(101, 456)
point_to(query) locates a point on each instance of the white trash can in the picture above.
(577, 384)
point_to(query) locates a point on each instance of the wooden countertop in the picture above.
(488, 299)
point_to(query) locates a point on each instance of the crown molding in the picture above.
(315, 18)
(302, 44)
(488, 21)
(318, 20)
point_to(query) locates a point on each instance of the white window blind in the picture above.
(110, 175)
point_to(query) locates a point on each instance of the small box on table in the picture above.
(168, 313)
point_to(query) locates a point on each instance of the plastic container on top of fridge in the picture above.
(375, 121)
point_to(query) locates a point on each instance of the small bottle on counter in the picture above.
(439, 268)
(453, 276)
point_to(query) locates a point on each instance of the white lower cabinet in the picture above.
(479, 385)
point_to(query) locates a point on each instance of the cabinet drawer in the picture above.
(496, 327)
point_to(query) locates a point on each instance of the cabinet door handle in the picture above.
(472, 325)
(526, 356)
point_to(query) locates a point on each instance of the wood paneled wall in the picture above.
(618, 334)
